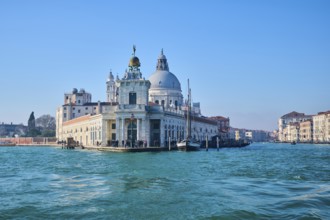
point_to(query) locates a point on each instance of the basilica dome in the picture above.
(165, 88)
(163, 79)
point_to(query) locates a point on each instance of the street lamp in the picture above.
(132, 118)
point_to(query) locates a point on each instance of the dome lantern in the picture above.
(162, 62)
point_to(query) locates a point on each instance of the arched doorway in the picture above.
(131, 133)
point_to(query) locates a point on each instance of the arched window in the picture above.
(163, 102)
(132, 98)
(157, 102)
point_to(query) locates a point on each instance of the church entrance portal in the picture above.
(155, 132)
(131, 134)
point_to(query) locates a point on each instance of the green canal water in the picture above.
(261, 181)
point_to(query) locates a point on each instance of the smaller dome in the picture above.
(134, 62)
(74, 91)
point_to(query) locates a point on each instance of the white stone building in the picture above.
(137, 111)
(293, 130)
(321, 127)
(306, 131)
(285, 120)
(249, 135)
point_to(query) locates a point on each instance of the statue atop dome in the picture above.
(133, 71)
(134, 61)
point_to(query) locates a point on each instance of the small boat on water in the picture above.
(293, 143)
(188, 144)
(7, 144)
(216, 142)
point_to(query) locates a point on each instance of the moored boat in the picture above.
(216, 142)
(189, 144)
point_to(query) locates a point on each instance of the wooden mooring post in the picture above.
(207, 144)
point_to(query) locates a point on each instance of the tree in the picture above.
(31, 122)
(47, 125)
(46, 122)
(33, 133)
(48, 133)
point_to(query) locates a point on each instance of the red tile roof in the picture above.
(76, 120)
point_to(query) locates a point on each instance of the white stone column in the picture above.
(138, 129)
(122, 130)
(143, 134)
(118, 130)
(104, 131)
(162, 133)
(147, 131)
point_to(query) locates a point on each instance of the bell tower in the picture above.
(111, 88)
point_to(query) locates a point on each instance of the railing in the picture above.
(125, 106)
(30, 140)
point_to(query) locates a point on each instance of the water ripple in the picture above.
(258, 182)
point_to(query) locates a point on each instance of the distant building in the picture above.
(306, 131)
(285, 121)
(196, 108)
(10, 130)
(258, 135)
(237, 135)
(293, 131)
(305, 128)
(321, 127)
(232, 133)
(249, 135)
(284, 135)
(223, 126)
(273, 136)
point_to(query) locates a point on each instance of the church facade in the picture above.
(137, 112)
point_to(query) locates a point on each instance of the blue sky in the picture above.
(252, 61)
